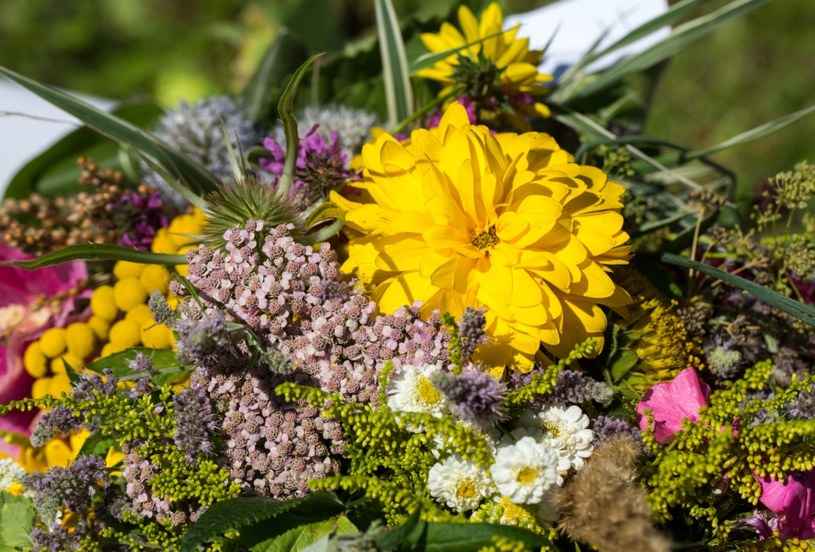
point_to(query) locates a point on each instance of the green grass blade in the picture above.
(681, 37)
(427, 60)
(285, 109)
(672, 15)
(182, 167)
(97, 252)
(792, 307)
(752, 134)
(398, 91)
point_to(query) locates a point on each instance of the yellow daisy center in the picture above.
(527, 475)
(486, 239)
(552, 429)
(465, 488)
(428, 394)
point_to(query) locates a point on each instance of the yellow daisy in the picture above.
(456, 217)
(497, 70)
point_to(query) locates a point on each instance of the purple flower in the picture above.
(474, 396)
(139, 214)
(793, 502)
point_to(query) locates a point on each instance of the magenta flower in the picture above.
(31, 301)
(671, 402)
(793, 502)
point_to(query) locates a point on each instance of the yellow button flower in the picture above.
(52, 342)
(459, 217)
(34, 361)
(155, 336)
(80, 339)
(125, 333)
(129, 293)
(103, 304)
(100, 327)
(155, 278)
(126, 269)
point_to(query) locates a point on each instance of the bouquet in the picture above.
(447, 302)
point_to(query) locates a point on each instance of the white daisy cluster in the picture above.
(413, 391)
(10, 473)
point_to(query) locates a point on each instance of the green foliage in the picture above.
(16, 522)
(164, 362)
(739, 434)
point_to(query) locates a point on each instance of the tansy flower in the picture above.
(525, 471)
(456, 217)
(413, 391)
(459, 484)
(495, 71)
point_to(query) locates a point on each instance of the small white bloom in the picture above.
(565, 429)
(525, 471)
(10, 473)
(459, 484)
(413, 391)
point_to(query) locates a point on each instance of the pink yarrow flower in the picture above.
(671, 402)
(31, 301)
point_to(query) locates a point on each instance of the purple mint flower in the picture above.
(475, 396)
(72, 487)
(195, 422)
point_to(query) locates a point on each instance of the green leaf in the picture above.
(752, 134)
(398, 90)
(16, 522)
(242, 512)
(410, 531)
(96, 445)
(465, 537)
(184, 168)
(285, 109)
(678, 39)
(431, 58)
(281, 59)
(97, 252)
(55, 171)
(165, 363)
(304, 536)
(622, 361)
(792, 307)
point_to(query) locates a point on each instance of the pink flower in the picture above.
(672, 402)
(31, 301)
(794, 503)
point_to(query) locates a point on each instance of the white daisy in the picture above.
(412, 391)
(565, 429)
(525, 471)
(10, 473)
(459, 484)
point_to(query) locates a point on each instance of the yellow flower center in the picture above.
(527, 475)
(427, 392)
(465, 488)
(552, 429)
(486, 239)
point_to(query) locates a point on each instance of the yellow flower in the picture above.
(458, 217)
(497, 69)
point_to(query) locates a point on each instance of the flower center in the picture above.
(552, 428)
(465, 488)
(527, 475)
(428, 394)
(486, 239)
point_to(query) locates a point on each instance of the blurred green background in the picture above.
(747, 72)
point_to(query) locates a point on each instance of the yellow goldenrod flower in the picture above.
(497, 69)
(457, 217)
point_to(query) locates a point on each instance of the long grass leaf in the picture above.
(431, 58)
(177, 164)
(285, 109)
(752, 134)
(398, 91)
(681, 37)
(97, 252)
(792, 307)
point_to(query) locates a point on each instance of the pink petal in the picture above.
(671, 402)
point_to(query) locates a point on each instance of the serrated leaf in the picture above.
(305, 536)
(398, 90)
(16, 522)
(467, 537)
(243, 512)
(97, 252)
(179, 165)
(164, 361)
(792, 307)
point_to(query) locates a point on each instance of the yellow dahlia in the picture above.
(456, 216)
(496, 70)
